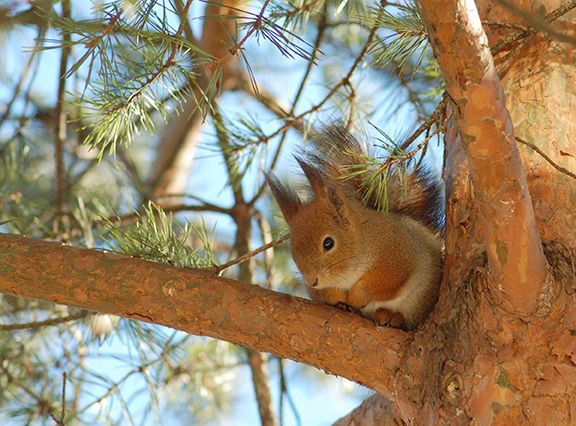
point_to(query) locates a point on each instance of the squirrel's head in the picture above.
(324, 231)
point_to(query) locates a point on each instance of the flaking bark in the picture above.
(516, 260)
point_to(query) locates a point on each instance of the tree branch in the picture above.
(542, 23)
(249, 255)
(60, 128)
(515, 255)
(545, 157)
(40, 324)
(375, 410)
(198, 302)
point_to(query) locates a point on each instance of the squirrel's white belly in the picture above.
(346, 280)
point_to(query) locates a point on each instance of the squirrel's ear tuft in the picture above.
(340, 205)
(286, 198)
(327, 191)
(315, 178)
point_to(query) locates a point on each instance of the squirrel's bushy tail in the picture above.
(347, 161)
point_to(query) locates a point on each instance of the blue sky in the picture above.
(318, 403)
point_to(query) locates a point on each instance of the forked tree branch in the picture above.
(515, 254)
(198, 302)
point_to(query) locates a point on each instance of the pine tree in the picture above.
(148, 137)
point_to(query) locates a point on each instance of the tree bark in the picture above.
(517, 265)
(199, 302)
(474, 361)
(375, 410)
(539, 80)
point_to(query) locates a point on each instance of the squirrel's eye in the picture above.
(328, 243)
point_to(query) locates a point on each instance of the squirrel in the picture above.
(385, 265)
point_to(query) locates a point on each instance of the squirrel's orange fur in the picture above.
(384, 264)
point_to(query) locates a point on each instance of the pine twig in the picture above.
(434, 117)
(542, 23)
(63, 412)
(170, 62)
(109, 28)
(237, 46)
(132, 217)
(297, 124)
(252, 253)
(343, 82)
(507, 25)
(548, 159)
(43, 403)
(529, 32)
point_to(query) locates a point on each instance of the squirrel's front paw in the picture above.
(347, 308)
(389, 318)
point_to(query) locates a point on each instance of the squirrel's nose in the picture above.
(315, 283)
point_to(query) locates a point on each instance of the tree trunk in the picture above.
(477, 361)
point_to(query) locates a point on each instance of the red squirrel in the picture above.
(384, 264)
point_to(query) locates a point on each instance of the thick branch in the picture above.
(375, 410)
(197, 302)
(515, 253)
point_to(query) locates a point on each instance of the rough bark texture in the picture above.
(375, 410)
(541, 95)
(200, 303)
(474, 362)
(495, 368)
